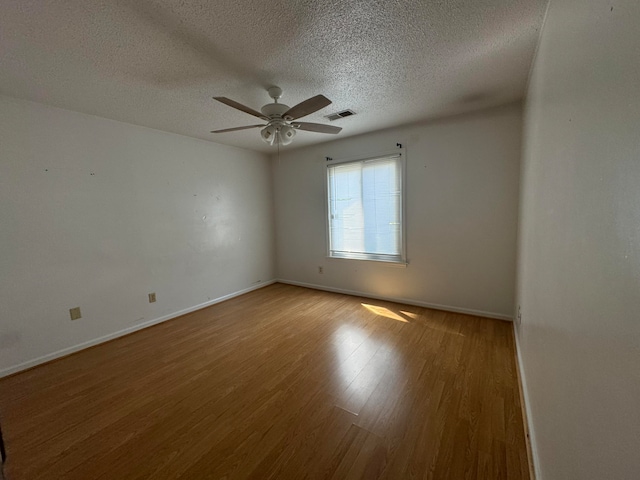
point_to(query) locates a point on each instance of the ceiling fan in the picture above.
(281, 119)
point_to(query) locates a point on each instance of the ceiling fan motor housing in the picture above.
(274, 110)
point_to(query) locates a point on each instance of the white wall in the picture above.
(97, 214)
(462, 204)
(579, 255)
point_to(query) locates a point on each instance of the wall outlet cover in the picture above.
(152, 297)
(75, 313)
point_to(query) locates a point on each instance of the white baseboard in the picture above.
(81, 346)
(105, 338)
(406, 301)
(523, 384)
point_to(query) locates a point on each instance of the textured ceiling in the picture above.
(157, 63)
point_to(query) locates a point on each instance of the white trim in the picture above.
(105, 338)
(387, 263)
(368, 156)
(407, 301)
(369, 257)
(396, 154)
(525, 400)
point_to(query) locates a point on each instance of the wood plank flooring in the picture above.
(280, 383)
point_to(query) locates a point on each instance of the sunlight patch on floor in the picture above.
(384, 312)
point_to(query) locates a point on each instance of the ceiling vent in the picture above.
(342, 114)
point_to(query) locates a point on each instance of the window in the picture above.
(365, 211)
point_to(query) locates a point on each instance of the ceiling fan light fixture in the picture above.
(278, 134)
(286, 134)
(269, 134)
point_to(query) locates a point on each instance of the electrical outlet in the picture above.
(519, 315)
(320, 269)
(152, 297)
(75, 313)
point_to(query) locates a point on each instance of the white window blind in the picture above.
(365, 209)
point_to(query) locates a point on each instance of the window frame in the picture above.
(401, 260)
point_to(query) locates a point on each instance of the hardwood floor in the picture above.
(283, 382)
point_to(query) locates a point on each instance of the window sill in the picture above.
(388, 263)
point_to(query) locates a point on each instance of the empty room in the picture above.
(325, 239)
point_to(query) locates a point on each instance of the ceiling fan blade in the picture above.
(239, 106)
(307, 107)
(236, 128)
(316, 127)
